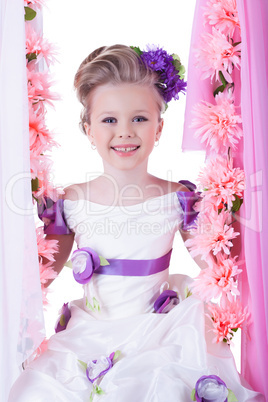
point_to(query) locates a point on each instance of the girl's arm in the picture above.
(65, 244)
(201, 263)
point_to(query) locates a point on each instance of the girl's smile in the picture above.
(124, 124)
(125, 149)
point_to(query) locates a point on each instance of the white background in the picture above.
(77, 28)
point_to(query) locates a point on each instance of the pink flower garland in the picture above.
(218, 126)
(40, 137)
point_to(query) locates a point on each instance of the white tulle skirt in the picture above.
(162, 357)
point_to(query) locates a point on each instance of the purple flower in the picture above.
(168, 68)
(99, 367)
(156, 58)
(84, 261)
(166, 301)
(211, 389)
(65, 315)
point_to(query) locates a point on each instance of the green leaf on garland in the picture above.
(103, 261)
(236, 43)
(29, 14)
(223, 80)
(35, 184)
(193, 395)
(31, 56)
(221, 88)
(237, 203)
(83, 364)
(231, 396)
(137, 50)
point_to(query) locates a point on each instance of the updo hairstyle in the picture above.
(117, 64)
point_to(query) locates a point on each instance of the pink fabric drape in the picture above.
(252, 156)
(254, 107)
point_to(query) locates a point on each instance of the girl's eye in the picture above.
(109, 120)
(139, 119)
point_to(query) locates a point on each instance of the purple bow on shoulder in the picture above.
(52, 214)
(187, 201)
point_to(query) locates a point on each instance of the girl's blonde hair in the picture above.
(115, 64)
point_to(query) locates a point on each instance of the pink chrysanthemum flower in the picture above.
(46, 248)
(223, 15)
(39, 87)
(211, 234)
(47, 189)
(38, 47)
(37, 3)
(39, 164)
(220, 182)
(217, 125)
(218, 279)
(215, 53)
(46, 273)
(41, 139)
(226, 318)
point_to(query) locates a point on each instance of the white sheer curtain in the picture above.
(20, 294)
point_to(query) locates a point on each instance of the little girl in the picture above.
(134, 336)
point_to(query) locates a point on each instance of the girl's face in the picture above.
(124, 124)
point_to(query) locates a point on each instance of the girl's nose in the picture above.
(125, 131)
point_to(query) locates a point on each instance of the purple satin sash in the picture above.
(135, 267)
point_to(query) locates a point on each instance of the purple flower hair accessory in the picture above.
(65, 315)
(166, 301)
(169, 69)
(211, 388)
(84, 262)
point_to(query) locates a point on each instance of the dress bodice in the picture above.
(141, 231)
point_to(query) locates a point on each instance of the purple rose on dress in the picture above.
(99, 367)
(166, 301)
(65, 315)
(84, 262)
(211, 389)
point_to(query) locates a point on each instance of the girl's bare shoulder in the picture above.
(74, 192)
(169, 186)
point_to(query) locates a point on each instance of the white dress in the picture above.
(162, 355)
